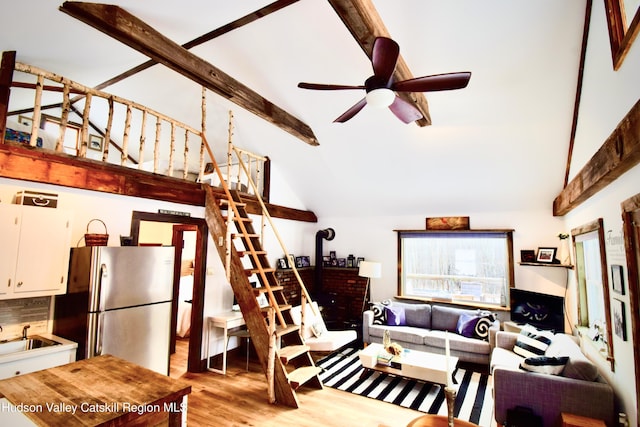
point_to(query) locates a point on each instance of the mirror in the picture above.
(594, 311)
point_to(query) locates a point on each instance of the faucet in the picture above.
(24, 331)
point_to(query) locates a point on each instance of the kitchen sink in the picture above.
(18, 345)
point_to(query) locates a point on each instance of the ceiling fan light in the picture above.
(380, 98)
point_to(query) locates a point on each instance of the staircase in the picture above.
(229, 222)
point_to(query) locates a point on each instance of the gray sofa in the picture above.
(424, 329)
(578, 389)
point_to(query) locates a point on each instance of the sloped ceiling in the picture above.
(498, 145)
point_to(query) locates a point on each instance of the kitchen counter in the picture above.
(103, 390)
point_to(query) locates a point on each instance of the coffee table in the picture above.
(415, 364)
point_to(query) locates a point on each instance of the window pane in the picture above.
(466, 266)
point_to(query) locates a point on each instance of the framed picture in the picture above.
(305, 261)
(617, 279)
(282, 263)
(24, 120)
(291, 261)
(96, 142)
(527, 255)
(360, 259)
(298, 261)
(342, 262)
(546, 255)
(326, 261)
(619, 320)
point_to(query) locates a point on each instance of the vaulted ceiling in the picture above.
(500, 144)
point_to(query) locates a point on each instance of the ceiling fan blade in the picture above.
(320, 86)
(384, 57)
(404, 110)
(351, 111)
(433, 83)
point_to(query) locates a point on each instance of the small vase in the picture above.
(386, 339)
(563, 252)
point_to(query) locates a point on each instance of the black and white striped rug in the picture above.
(342, 370)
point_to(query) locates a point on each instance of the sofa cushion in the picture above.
(446, 318)
(504, 358)
(475, 325)
(395, 316)
(544, 364)
(379, 317)
(457, 343)
(578, 366)
(418, 315)
(532, 342)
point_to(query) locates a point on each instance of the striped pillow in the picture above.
(545, 365)
(532, 342)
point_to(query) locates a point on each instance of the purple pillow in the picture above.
(467, 324)
(395, 316)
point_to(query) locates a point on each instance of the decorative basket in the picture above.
(94, 239)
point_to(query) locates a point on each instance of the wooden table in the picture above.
(438, 421)
(225, 321)
(103, 390)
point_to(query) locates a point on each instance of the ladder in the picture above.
(229, 221)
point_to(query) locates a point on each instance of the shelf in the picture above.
(544, 264)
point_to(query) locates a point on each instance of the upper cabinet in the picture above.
(35, 251)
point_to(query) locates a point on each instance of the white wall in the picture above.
(607, 96)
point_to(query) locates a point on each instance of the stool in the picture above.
(241, 333)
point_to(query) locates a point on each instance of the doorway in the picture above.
(178, 225)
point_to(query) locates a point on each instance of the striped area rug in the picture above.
(342, 370)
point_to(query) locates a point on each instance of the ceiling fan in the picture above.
(381, 88)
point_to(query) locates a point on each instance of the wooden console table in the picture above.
(103, 390)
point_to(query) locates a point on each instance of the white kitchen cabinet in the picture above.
(35, 251)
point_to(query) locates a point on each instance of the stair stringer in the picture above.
(253, 315)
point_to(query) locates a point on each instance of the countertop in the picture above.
(103, 390)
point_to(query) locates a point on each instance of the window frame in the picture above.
(508, 235)
(596, 226)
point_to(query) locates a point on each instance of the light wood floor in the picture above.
(240, 399)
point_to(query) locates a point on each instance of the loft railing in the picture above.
(116, 130)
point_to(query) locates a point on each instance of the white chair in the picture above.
(315, 333)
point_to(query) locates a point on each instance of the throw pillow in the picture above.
(475, 325)
(395, 316)
(532, 342)
(318, 328)
(379, 317)
(544, 364)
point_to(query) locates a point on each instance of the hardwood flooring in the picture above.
(240, 399)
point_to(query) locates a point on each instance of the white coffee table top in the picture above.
(416, 364)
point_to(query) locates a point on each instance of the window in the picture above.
(623, 19)
(593, 286)
(470, 265)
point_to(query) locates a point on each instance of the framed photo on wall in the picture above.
(617, 279)
(546, 255)
(619, 320)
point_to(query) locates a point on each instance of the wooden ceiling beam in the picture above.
(363, 21)
(126, 28)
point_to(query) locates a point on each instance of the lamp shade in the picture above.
(370, 269)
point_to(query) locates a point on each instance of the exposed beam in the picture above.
(20, 161)
(619, 153)
(126, 28)
(364, 23)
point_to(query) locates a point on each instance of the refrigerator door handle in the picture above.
(99, 333)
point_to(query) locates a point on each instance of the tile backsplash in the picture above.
(16, 313)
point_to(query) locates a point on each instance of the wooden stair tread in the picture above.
(225, 202)
(284, 330)
(302, 375)
(251, 271)
(264, 289)
(291, 352)
(283, 307)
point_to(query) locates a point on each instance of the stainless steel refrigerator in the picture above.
(118, 302)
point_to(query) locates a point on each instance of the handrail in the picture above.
(266, 214)
(69, 86)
